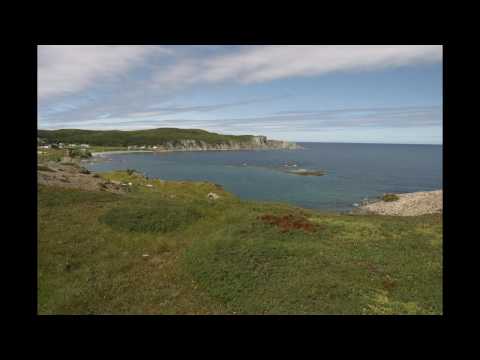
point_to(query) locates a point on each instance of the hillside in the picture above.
(166, 247)
(168, 137)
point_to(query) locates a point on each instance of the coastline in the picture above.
(101, 153)
(408, 204)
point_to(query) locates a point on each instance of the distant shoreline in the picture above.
(101, 153)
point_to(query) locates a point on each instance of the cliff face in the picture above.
(256, 143)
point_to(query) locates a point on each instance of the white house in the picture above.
(84, 145)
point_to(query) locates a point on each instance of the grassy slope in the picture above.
(137, 137)
(57, 154)
(223, 260)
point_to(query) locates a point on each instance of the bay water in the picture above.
(353, 172)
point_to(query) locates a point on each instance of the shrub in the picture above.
(390, 197)
(83, 154)
(130, 171)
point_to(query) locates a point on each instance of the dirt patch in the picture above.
(288, 222)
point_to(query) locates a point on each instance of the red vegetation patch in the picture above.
(389, 283)
(288, 222)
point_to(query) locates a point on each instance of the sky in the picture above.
(322, 93)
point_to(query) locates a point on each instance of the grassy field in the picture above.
(50, 154)
(167, 249)
(57, 154)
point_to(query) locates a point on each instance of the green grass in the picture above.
(216, 257)
(50, 155)
(390, 197)
(161, 216)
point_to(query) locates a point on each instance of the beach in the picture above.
(105, 153)
(410, 204)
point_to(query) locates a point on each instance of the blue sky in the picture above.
(354, 93)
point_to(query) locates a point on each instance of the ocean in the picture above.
(354, 172)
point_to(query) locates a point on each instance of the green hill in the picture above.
(137, 137)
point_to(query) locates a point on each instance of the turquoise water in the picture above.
(354, 171)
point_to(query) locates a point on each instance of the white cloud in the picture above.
(68, 69)
(251, 64)
(65, 69)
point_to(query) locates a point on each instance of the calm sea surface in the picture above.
(354, 171)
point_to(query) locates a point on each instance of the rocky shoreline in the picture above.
(409, 204)
(73, 176)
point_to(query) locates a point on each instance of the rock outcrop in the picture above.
(213, 196)
(74, 176)
(256, 143)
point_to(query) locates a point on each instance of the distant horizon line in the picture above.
(366, 143)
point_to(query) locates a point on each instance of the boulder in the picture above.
(213, 196)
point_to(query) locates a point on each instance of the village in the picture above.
(143, 147)
(59, 151)
(42, 144)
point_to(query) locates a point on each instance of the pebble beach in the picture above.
(410, 204)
